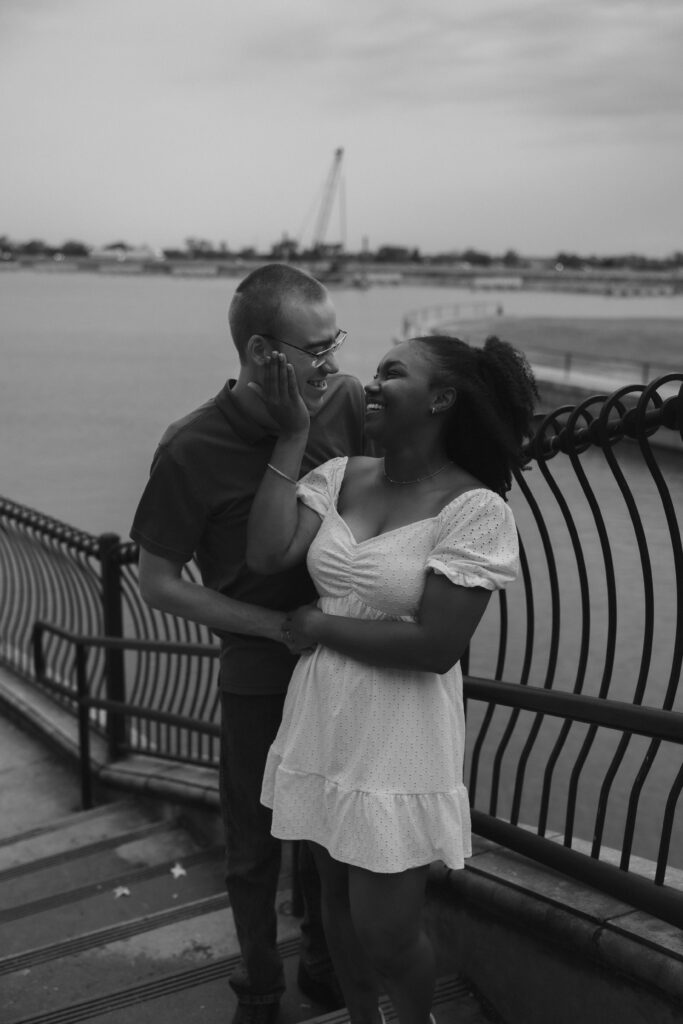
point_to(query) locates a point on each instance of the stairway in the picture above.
(117, 915)
(112, 916)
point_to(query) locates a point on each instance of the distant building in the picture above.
(120, 253)
(497, 282)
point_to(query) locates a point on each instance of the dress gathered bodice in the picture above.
(386, 573)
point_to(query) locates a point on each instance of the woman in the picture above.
(405, 552)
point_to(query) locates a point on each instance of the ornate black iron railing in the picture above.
(48, 570)
(595, 622)
(572, 681)
(87, 586)
(133, 726)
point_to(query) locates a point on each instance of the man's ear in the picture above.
(257, 349)
(444, 399)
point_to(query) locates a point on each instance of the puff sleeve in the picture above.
(319, 488)
(477, 544)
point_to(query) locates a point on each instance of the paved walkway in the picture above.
(36, 786)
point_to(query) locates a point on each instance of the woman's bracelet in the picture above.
(280, 473)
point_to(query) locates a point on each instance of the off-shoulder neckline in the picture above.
(343, 460)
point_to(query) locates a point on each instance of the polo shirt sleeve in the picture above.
(170, 516)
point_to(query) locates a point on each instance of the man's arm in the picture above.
(163, 587)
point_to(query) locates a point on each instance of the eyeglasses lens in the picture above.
(336, 344)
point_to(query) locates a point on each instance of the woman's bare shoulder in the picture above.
(461, 482)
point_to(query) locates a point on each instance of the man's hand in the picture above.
(298, 629)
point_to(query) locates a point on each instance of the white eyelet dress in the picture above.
(368, 761)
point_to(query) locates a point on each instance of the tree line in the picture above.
(288, 249)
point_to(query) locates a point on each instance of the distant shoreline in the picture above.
(359, 273)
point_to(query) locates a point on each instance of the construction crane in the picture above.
(331, 186)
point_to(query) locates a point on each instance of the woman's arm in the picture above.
(446, 621)
(280, 528)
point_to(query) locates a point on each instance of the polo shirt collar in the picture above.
(244, 425)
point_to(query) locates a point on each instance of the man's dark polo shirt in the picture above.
(203, 479)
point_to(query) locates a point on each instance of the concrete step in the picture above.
(39, 926)
(70, 832)
(32, 956)
(110, 966)
(102, 863)
(202, 994)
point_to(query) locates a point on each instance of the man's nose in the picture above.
(331, 364)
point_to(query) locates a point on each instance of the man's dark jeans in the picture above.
(249, 726)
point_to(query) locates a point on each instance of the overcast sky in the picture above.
(538, 125)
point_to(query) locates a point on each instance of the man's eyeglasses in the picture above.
(319, 357)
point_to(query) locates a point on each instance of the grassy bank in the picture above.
(655, 340)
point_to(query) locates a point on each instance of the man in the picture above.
(196, 504)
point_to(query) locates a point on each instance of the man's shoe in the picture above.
(324, 990)
(256, 1013)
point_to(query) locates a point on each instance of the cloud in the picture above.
(189, 118)
(591, 58)
(546, 58)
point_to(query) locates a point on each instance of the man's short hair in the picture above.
(259, 300)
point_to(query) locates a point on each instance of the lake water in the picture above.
(95, 366)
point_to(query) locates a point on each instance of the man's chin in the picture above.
(315, 407)
(314, 398)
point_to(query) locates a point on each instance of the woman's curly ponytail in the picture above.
(494, 407)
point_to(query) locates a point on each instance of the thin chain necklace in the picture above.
(418, 479)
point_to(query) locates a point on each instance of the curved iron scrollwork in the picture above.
(597, 614)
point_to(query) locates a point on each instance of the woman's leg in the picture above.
(354, 973)
(386, 911)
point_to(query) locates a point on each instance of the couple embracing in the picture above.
(375, 572)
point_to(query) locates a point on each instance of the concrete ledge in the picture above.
(546, 948)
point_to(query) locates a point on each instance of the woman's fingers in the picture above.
(279, 375)
(279, 391)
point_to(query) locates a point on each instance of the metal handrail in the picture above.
(613, 714)
(117, 707)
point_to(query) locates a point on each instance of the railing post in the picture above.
(38, 653)
(84, 728)
(113, 626)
